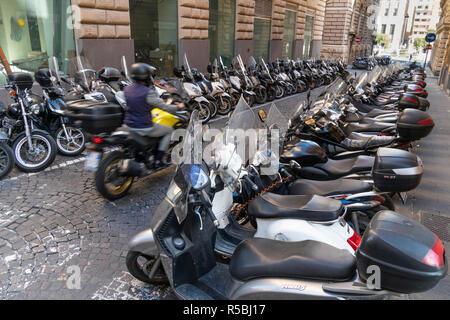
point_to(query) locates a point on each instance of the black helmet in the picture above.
(44, 77)
(109, 74)
(143, 72)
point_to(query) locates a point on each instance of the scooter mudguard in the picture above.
(223, 94)
(202, 99)
(144, 243)
(250, 93)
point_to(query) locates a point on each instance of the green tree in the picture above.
(383, 38)
(419, 43)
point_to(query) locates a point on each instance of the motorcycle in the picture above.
(70, 140)
(34, 149)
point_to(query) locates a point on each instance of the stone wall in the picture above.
(193, 19)
(102, 19)
(441, 48)
(344, 22)
(245, 13)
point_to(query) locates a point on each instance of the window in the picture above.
(154, 28)
(289, 33)
(383, 29)
(32, 31)
(261, 34)
(221, 29)
(386, 13)
(261, 38)
(395, 11)
(392, 30)
(309, 27)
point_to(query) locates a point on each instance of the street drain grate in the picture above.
(438, 224)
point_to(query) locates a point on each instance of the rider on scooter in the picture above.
(141, 98)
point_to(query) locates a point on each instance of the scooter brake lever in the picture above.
(197, 212)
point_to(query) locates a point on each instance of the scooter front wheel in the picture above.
(261, 95)
(204, 110)
(141, 266)
(224, 105)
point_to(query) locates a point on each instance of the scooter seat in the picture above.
(362, 142)
(264, 258)
(304, 207)
(340, 168)
(378, 112)
(370, 126)
(329, 188)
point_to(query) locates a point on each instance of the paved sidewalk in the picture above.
(431, 200)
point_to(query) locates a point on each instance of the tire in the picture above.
(214, 108)
(113, 192)
(261, 95)
(250, 100)
(141, 271)
(204, 111)
(224, 105)
(279, 92)
(65, 149)
(6, 160)
(46, 145)
(236, 97)
(270, 94)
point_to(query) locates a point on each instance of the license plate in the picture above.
(92, 161)
(403, 197)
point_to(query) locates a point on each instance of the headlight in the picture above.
(35, 109)
(198, 178)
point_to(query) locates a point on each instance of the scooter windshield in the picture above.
(360, 82)
(85, 75)
(191, 170)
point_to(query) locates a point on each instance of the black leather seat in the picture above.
(340, 168)
(264, 258)
(378, 112)
(358, 141)
(305, 207)
(370, 126)
(329, 188)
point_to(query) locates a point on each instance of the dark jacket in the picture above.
(141, 100)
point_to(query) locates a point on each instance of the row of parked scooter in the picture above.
(33, 128)
(368, 63)
(322, 225)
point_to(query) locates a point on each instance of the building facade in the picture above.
(163, 32)
(393, 20)
(349, 30)
(31, 31)
(440, 59)
(425, 17)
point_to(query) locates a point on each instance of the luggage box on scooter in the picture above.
(396, 170)
(409, 100)
(407, 256)
(414, 124)
(21, 80)
(95, 117)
